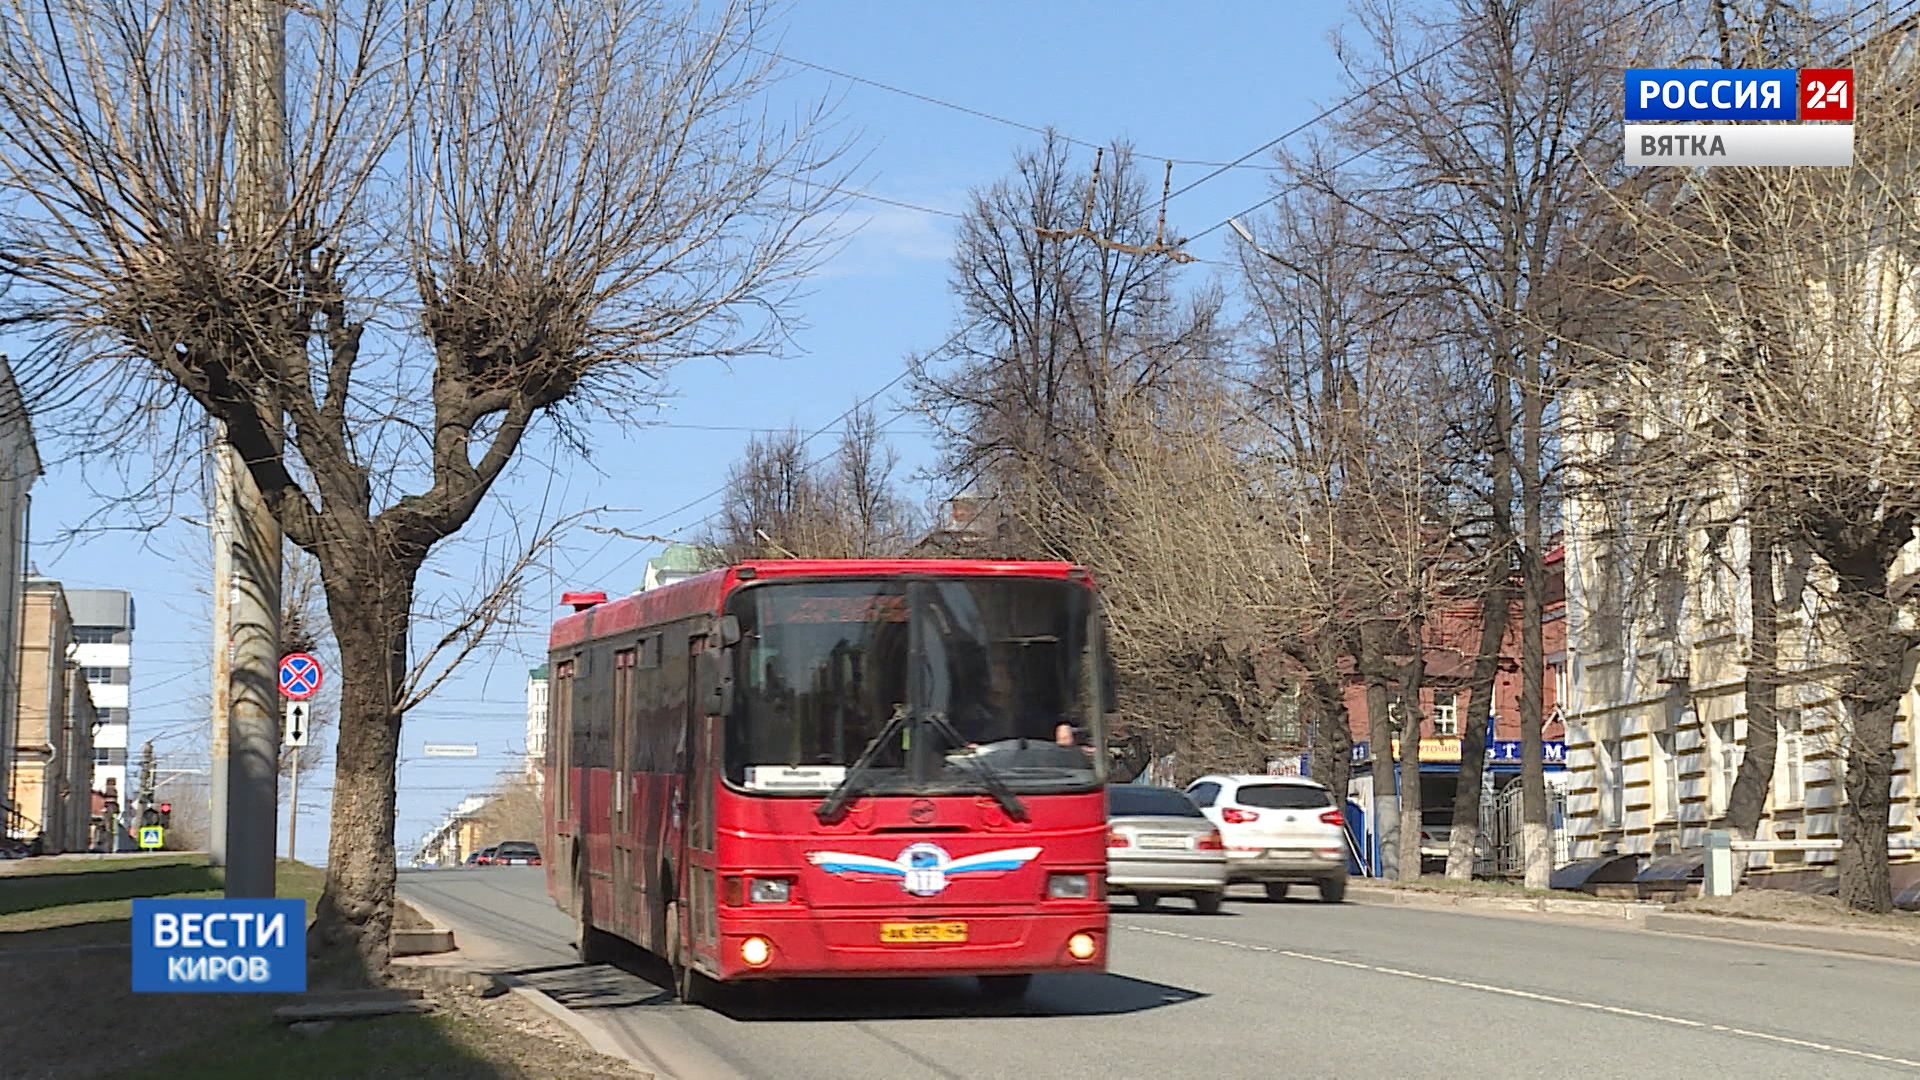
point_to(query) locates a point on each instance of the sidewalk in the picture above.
(1620, 911)
(542, 979)
(1654, 918)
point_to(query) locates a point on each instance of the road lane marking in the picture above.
(1529, 995)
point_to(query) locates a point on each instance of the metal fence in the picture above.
(1507, 815)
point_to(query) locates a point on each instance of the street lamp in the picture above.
(1246, 234)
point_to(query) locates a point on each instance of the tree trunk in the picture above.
(1386, 800)
(1749, 795)
(1882, 672)
(1412, 677)
(355, 912)
(1536, 832)
(1496, 609)
(1332, 757)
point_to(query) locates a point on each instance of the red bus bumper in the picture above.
(812, 945)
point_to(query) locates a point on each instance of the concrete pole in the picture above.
(222, 532)
(259, 78)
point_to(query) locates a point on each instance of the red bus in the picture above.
(818, 768)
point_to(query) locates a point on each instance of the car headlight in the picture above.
(1068, 887)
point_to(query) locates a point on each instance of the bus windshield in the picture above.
(1008, 666)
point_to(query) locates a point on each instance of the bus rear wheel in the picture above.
(594, 946)
(1006, 987)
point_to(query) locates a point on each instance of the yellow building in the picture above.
(1659, 617)
(49, 784)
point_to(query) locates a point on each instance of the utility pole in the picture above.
(293, 808)
(221, 527)
(259, 78)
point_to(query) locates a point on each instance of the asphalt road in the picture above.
(1262, 990)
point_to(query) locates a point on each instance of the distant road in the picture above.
(1296, 989)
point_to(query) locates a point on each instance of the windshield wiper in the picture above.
(997, 787)
(835, 803)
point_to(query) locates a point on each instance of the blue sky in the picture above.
(1205, 80)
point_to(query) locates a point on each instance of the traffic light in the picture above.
(148, 814)
(166, 814)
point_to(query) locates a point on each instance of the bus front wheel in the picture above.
(689, 985)
(595, 946)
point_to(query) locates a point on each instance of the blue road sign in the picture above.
(299, 676)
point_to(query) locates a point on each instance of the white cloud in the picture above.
(883, 237)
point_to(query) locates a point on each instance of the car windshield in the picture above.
(1137, 800)
(1006, 663)
(1283, 796)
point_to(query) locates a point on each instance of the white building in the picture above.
(103, 647)
(679, 562)
(444, 844)
(536, 720)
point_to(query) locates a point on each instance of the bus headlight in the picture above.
(1068, 887)
(770, 890)
(1081, 946)
(756, 951)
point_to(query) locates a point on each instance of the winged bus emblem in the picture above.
(923, 869)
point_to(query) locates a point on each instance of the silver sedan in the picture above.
(1160, 844)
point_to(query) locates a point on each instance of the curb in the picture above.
(1875, 943)
(440, 970)
(1610, 910)
(60, 951)
(494, 983)
(1878, 944)
(593, 1035)
(422, 942)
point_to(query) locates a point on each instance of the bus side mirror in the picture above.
(728, 631)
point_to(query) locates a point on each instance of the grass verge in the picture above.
(75, 1014)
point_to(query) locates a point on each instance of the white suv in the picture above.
(1278, 831)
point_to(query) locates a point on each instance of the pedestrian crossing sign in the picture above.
(152, 837)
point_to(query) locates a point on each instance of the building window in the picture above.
(1667, 761)
(1725, 753)
(1613, 794)
(93, 635)
(97, 674)
(1790, 766)
(100, 755)
(1446, 718)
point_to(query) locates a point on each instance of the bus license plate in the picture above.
(922, 933)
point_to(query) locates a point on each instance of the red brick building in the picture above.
(1452, 639)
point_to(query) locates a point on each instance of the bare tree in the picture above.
(877, 518)
(1787, 381)
(778, 504)
(512, 812)
(771, 503)
(1337, 346)
(1057, 335)
(1201, 598)
(497, 215)
(1493, 151)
